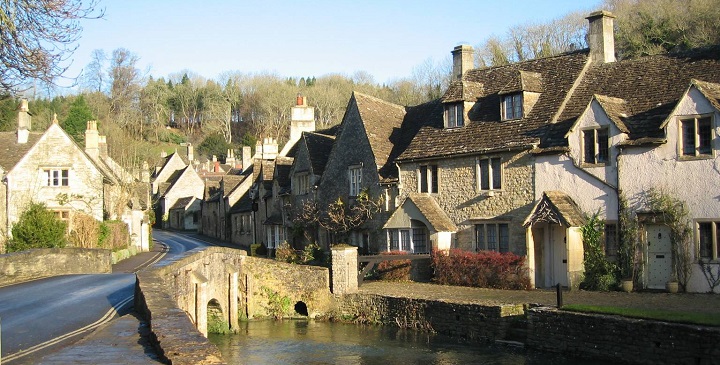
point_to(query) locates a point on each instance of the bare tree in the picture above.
(38, 37)
(93, 77)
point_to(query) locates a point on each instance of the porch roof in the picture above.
(429, 209)
(556, 207)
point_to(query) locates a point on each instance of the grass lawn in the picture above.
(705, 319)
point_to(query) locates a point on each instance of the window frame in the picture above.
(480, 176)
(275, 235)
(515, 102)
(302, 183)
(355, 180)
(611, 239)
(428, 176)
(698, 139)
(500, 245)
(714, 225)
(57, 177)
(455, 113)
(417, 240)
(597, 148)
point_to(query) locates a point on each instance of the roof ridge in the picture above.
(357, 93)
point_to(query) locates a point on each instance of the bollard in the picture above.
(559, 296)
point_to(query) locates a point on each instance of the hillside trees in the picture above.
(77, 118)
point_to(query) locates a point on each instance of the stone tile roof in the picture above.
(243, 205)
(282, 171)
(485, 131)
(651, 87)
(11, 152)
(523, 81)
(382, 121)
(182, 203)
(710, 90)
(462, 90)
(556, 207)
(319, 147)
(617, 109)
(430, 208)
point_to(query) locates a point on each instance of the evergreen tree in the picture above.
(76, 121)
(37, 228)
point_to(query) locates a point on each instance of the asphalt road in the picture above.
(41, 316)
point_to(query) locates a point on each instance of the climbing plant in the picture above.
(675, 215)
(600, 274)
(628, 248)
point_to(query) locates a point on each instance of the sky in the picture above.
(385, 38)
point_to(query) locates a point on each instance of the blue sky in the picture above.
(299, 38)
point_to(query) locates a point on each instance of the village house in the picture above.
(177, 192)
(50, 168)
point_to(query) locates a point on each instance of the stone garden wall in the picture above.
(37, 263)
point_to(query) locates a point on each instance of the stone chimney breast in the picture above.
(601, 36)
(463, 60)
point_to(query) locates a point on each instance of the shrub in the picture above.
(286, 253)
(395, 270)
(118, 238)
(37, 228)
(85, 231)
(484, 269)
(600, 273)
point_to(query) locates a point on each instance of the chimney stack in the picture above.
(24, 122)
(463, 60)
(269, 148)
(302, 119)
(601, 37)
(102, 146)
(190, 152)
(247, 158)
(92, 139)
(230, 157)
(145, 172)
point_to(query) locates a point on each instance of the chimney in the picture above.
(190, 152)
(163, 154)
(102, 146)
(463, 60)
(230, 157)
(302, 119)
(92, 139)
(601, 38)
(24, 122)
(145, 172)
(269, 148)
(247, 158)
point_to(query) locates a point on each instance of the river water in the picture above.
(313, 343)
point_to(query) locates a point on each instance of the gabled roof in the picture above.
(463, 91)
(319, 147)
(523, 81)
(556, 207)
(282, 171)
(243, 205)
(382, 122)
(616, 109)
(651, 87)
(711, 91)
(183, 203)
(12, 152)
(485, 131)
(430, 210)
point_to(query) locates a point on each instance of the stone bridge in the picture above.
(178, 297)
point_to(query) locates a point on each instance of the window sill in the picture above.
(591, 165)
(490, 193)
(694, 158)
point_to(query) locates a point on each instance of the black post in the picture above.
(559, 296)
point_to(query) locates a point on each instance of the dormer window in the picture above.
(512, 106)
(454, 115)
(696, 137)
(596, 146)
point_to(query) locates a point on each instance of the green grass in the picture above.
(705, 319)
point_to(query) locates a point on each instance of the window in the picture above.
(275, 236)
(412, 240)
(490, 173)
(611, 239)
(57, 177)
(512, 106)
(355, 180)
(696, 136)
(428, 177)
(302, 183)
(492, 237)
(708, 239)
(596, 146)
(454, 115)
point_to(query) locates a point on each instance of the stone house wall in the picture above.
(189, 184)
(459, 196)
(27, 181)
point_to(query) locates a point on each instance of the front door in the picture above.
(659, 249)
(556, 256)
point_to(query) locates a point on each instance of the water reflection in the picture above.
(310, 342)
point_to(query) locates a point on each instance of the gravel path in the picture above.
(705, 303)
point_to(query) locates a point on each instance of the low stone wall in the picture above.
(484, 323)
(37, 263)
(620, 339)
(167, 293)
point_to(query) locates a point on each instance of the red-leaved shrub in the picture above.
(395, 270)
(484, 269)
